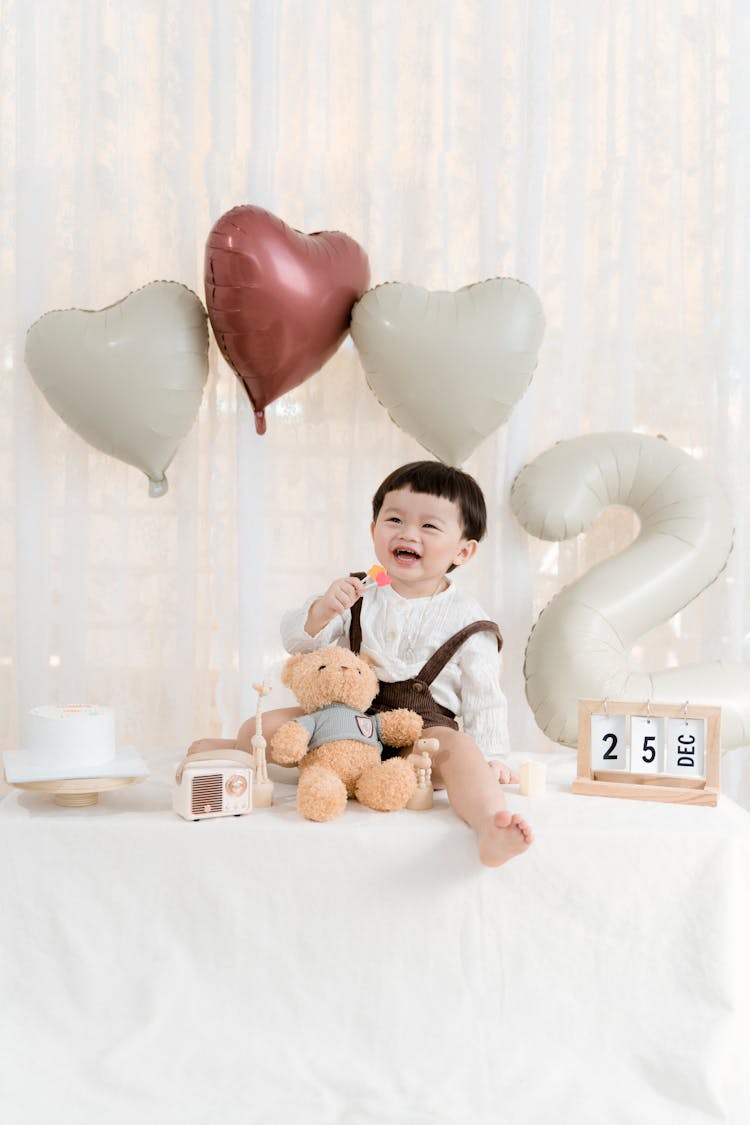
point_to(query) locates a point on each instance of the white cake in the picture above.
(68, 743)
(77, 735)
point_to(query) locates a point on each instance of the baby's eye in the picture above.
(431, 525)
(393, 519)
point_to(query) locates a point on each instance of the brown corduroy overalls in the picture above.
(415, 693)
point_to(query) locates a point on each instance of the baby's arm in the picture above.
(323, 619)
(338, 598)
(483, 706)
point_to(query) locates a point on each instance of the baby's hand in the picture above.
(338, 598)
(341, 595)
(503, 773)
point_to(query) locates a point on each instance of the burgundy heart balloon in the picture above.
(279, 301)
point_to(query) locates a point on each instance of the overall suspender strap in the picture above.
(355, 628)
(439, 659)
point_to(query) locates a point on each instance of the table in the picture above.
(368, 971)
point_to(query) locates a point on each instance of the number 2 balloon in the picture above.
(580, 646)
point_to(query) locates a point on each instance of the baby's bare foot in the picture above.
(501, 837)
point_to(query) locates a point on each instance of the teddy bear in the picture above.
(335, 744)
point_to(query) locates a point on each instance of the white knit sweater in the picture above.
(393, 626)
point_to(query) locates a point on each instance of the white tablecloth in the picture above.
(369, 971)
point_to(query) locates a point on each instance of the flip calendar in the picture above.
(648, 751)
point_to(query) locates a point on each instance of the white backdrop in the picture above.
(596, 150)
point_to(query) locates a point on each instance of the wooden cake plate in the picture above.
(76, 793)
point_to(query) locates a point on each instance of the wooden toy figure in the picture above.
(423, 798)
(262, 784)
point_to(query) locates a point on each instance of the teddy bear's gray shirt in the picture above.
(339, 721)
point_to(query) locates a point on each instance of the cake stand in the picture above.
(76, 793)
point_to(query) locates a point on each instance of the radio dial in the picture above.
(236, 785)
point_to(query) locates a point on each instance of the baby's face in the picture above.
(417, 537)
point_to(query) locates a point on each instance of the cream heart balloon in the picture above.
(449, 367)
(128, 378)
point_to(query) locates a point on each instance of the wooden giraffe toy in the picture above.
(262, 784)
(423, 796)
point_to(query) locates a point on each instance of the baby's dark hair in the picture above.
(436, 479)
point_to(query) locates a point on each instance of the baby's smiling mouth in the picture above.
(405, 554)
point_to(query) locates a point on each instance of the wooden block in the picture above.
(262, 794)
(533, 779)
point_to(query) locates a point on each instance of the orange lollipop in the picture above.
(379, 576)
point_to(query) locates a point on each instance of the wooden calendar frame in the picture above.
(649, 787)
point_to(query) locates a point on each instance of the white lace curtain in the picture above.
(598, 151)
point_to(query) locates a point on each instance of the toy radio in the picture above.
(227, 786)
(208, 789)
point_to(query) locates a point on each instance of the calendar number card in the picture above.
(648, 751)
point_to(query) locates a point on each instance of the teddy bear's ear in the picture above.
(366, 660)
(289, 671)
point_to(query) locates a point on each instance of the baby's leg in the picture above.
(208, 745)
(477, 797)
(271, 722)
